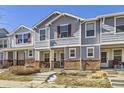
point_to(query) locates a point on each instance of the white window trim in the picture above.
(28, 53)
(94, 30)
(70, 52)
(87, 52)
(117, 49)
(64, 31)
(115, 18)
(22, 37)
(45, 33)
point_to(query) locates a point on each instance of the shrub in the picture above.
(99, 74)
(22, 70)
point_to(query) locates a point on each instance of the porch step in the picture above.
(117, 82)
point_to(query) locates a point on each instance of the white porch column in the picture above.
(122, 54)
(6, 55)
(37, 55)
(51, 59)
(15, 57)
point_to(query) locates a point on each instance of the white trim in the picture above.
(28, 53)
(70, 52)
(91, 45)
(94, 30)
(114, 43)
(115, 18)
(87, 52)
(117, 49)
(45, 33)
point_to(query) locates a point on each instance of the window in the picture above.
(117, 55)
(90, 52)
(25, 38)
(119, 24)
(64, 31)
(46, 59)
(72, 52)
(30, 53)
(90, 30)
(54, 57)
(1, 44)
(19, 39)
(5, 43)
(42, 34)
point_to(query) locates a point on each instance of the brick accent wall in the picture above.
(32, 62)
(72, 64)
(91, 64)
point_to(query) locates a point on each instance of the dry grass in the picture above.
(8, 76)
(22, 70)
(71, 80)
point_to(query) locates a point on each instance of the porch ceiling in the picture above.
(17, 48)
(113, 46)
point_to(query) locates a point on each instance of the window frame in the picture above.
(115, 25)
(70, 52)
(93, 52)
(39, 33)
(23, 38)
(29, 53)
(87, 30)
(64, 31)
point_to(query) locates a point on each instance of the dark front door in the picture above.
(104, 60)
(62, 60)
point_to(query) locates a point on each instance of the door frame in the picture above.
(107, 56)
(60, 59)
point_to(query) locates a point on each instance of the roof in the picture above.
(19, 28)
(111, 14)
(56, 12)
(3, 32)
(60, 14)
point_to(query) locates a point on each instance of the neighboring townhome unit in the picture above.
(90, 44)
(57, 41)
(3, 43)
(21, 47)
(112, 39)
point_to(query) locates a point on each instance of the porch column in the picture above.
(122, 54)
(37, 55)
(81, 66)
(5, 58)
(51, 59)
(14, 58)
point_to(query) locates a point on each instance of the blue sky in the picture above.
(13, 16)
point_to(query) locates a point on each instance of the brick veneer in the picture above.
(32, 62)
(72, 64)
(91, 64)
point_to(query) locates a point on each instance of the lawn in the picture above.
(8, 76)
(82, 81)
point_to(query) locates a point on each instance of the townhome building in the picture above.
(63, 40)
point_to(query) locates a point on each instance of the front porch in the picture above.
(112, 56)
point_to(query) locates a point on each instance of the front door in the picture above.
(104, 60)
(61, 60)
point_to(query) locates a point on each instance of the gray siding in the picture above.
(96, 52)
(75, 28)
(66, 53)
(90, 40)
(108, 27)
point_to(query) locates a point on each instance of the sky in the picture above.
(13, 16)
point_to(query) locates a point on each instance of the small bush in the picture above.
(22, 70)
(99, 74)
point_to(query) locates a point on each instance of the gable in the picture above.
(3, 32)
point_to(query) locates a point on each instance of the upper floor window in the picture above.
(90, 30)
(23, 38)
(90, 52)
(64, 31)
(3, 43)
(42, 34)
(120, 24)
